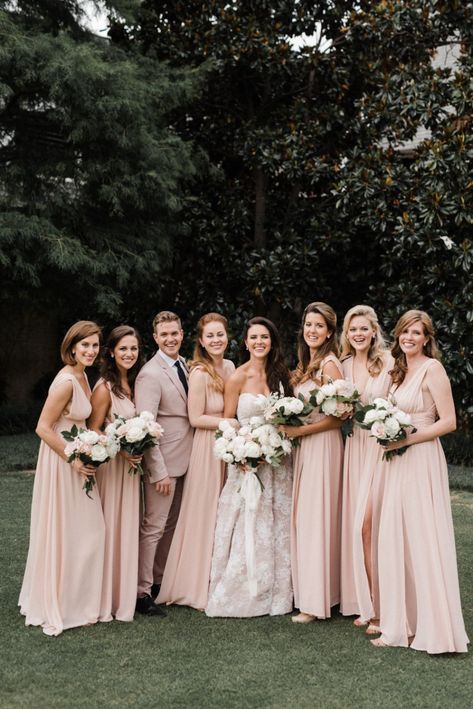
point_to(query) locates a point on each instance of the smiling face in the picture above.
(214, 338)
(126, 352)
(168, 336)
(316, 331)
(258, 341)
(85, 351)
(412, 339)
(360, 333)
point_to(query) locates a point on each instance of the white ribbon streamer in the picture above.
(251, 492)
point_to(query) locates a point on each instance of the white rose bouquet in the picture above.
(91, 448)
(339, 398)
(287, 410)
(386, 422)
(253, 444)
(135, 435)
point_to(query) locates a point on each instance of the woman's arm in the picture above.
(100, 405)
(58, 399)
(438, 384)
(196, 401)
(331, 371)
(328, 423)
(53, 407)
(233, 387)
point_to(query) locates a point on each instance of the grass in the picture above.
(188, 660)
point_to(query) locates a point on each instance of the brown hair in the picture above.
(77, 332)
(165, 316)
(201, 357)
(277, 372)
(378, 343)
(430, 348)
(108, 367)
(307, 367)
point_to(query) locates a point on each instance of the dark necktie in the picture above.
(181, 376)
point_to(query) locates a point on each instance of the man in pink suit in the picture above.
(161, 387)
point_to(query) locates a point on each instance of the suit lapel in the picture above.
(172, 376)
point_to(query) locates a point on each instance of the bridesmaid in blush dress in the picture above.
(316, 500)
(119, 490)
(63, 577)
(366, 363)
(187, 571)
(418, 578)
(251, 567)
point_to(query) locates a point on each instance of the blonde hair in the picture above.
(430, 348)
(307, 367)
(77, 332)
(165, 316)
(378, 343)
(201, 357)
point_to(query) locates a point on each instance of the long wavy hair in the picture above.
(308, 366)
(277, 372)
(378, 343)
(201, 358)
(108, 368)
(430, 349)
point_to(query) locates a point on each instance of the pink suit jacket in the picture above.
(158, 390)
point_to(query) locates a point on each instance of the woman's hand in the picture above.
(397, 444)
(85, 469)
(291, 431)
(133, 460)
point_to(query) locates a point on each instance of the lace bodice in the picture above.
(250, 405)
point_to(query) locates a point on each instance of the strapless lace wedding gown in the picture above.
(231, 593)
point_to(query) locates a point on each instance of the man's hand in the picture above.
(163, 487)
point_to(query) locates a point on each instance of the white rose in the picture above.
(329, 407)
(391, 426)
(244, 431)
(224, 425)
(98, 453)
(293, 406)
(381, 403)
(344, 388)
(89, 437)
(111, 429)
(329, 389)
(146, 416)
(229, 433)
(286, 445)
(135, 433)
(378, 430)
(403, 418)
(220, 447)
(227, 458)
(252, 450)
(370, 416)
(112, 447)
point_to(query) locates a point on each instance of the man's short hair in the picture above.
(165, 316)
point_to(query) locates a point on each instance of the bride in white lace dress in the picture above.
(259, 537)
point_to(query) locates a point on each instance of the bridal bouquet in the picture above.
(91, 448)
(386, 422)
(254, 443)
(135, 435)
(337, 398)
(287, 410)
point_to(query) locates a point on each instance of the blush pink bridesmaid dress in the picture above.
(187, 571)
(120, 497)
(316, 515)
(63, 577)
(361, 454)
(418, 578)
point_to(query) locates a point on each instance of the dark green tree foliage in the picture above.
(91, 174)
(311, 193)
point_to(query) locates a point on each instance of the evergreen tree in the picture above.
(91, 172)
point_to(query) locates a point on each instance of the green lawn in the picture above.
(188, 660)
